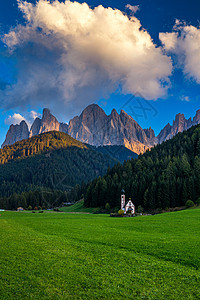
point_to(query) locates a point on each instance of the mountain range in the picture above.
(96, 128)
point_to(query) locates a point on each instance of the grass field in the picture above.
(80, 256)
(78, 207)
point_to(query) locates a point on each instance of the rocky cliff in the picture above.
(47, 123)
(179, 125)
(16, 133)
(94, 127)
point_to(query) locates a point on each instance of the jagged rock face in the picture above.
(94, 127)
(196, 119)
(35, 128)
(179, 125)
(47, 123)
(16, 133)
(164, 133)
(150, 133)
(88, 126)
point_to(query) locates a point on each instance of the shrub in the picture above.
(114, 215)
(107, 206)
(189, 203)
(121, 212)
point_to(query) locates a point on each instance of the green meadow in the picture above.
(85, 256)
(79, 207)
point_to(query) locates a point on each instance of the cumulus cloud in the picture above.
(16, 118)
(184, 42)
(69, 55)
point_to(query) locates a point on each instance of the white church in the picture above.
(129, 207)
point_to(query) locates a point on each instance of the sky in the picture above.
(142, 56)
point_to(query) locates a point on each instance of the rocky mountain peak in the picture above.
(150, 133)
(16, 133)
(179, 125)
(47, 123)
(124, 114)
(179, 117)
(196, 119)
(35, 128)
(46, 113)
(92, 116)
(92, 111)
(23, 123)
(114, 113)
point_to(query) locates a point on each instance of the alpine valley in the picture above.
(54, 157)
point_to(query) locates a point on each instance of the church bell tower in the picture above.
(123, 199)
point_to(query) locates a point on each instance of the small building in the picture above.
(129, 207)
(20, 209)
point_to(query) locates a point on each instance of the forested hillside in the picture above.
(166, 176)
(119, 152)
(51, 161)
(38, 144)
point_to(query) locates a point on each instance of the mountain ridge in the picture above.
(96, 128)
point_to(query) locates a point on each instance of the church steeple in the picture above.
(122, 199)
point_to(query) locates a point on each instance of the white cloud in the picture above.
(69, 55)
(16, 118)
(185, 98)
(184, 42)
(132, 8)
(34, 115)
(169, 40)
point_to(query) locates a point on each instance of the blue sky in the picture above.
(18, 92)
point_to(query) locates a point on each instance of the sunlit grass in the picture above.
(80, 256)
(79, 207)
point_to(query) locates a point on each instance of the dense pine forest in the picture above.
(166, 176)
(53, 162)
(38, 144)
(118, 152)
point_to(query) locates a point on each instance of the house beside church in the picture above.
(20, 209)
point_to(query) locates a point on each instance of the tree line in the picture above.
(166, 176)
(34, 200)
